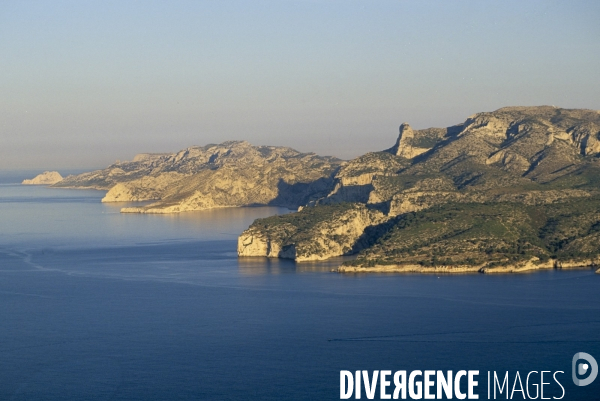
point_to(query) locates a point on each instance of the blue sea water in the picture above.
(98, 305)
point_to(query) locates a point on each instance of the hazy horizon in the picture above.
(85, 84)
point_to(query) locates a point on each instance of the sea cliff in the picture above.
(313, 234)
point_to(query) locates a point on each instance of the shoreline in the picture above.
(528, 267)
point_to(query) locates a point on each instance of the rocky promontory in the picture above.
(312, 234)
(45, 178)
(508, 191)
(229, 174)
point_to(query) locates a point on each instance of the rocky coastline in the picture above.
(527, 267)
(508, 191)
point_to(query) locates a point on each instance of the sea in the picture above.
(99, 305)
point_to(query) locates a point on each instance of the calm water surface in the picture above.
(98, 305)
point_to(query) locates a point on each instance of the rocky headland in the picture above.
(316, 234)
(229, 174)
(45, 178)
(508, 191)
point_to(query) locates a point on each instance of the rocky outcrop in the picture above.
(584, 137)
(509, 161)
(306, 236)
(404, 145)
(411, 144)
(46, 178)
(583, 263)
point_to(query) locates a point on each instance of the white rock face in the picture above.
(334, 237)
(142, 189)
(46, 178)
(509, 161)
(404, 145)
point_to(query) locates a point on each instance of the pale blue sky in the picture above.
(84, 83)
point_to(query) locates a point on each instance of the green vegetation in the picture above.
(489, 234)
(428, 138)
(374, 162)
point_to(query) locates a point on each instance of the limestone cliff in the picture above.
(409, 145)
(46, 178)
(311, 234)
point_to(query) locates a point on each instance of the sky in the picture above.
(86, 83)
